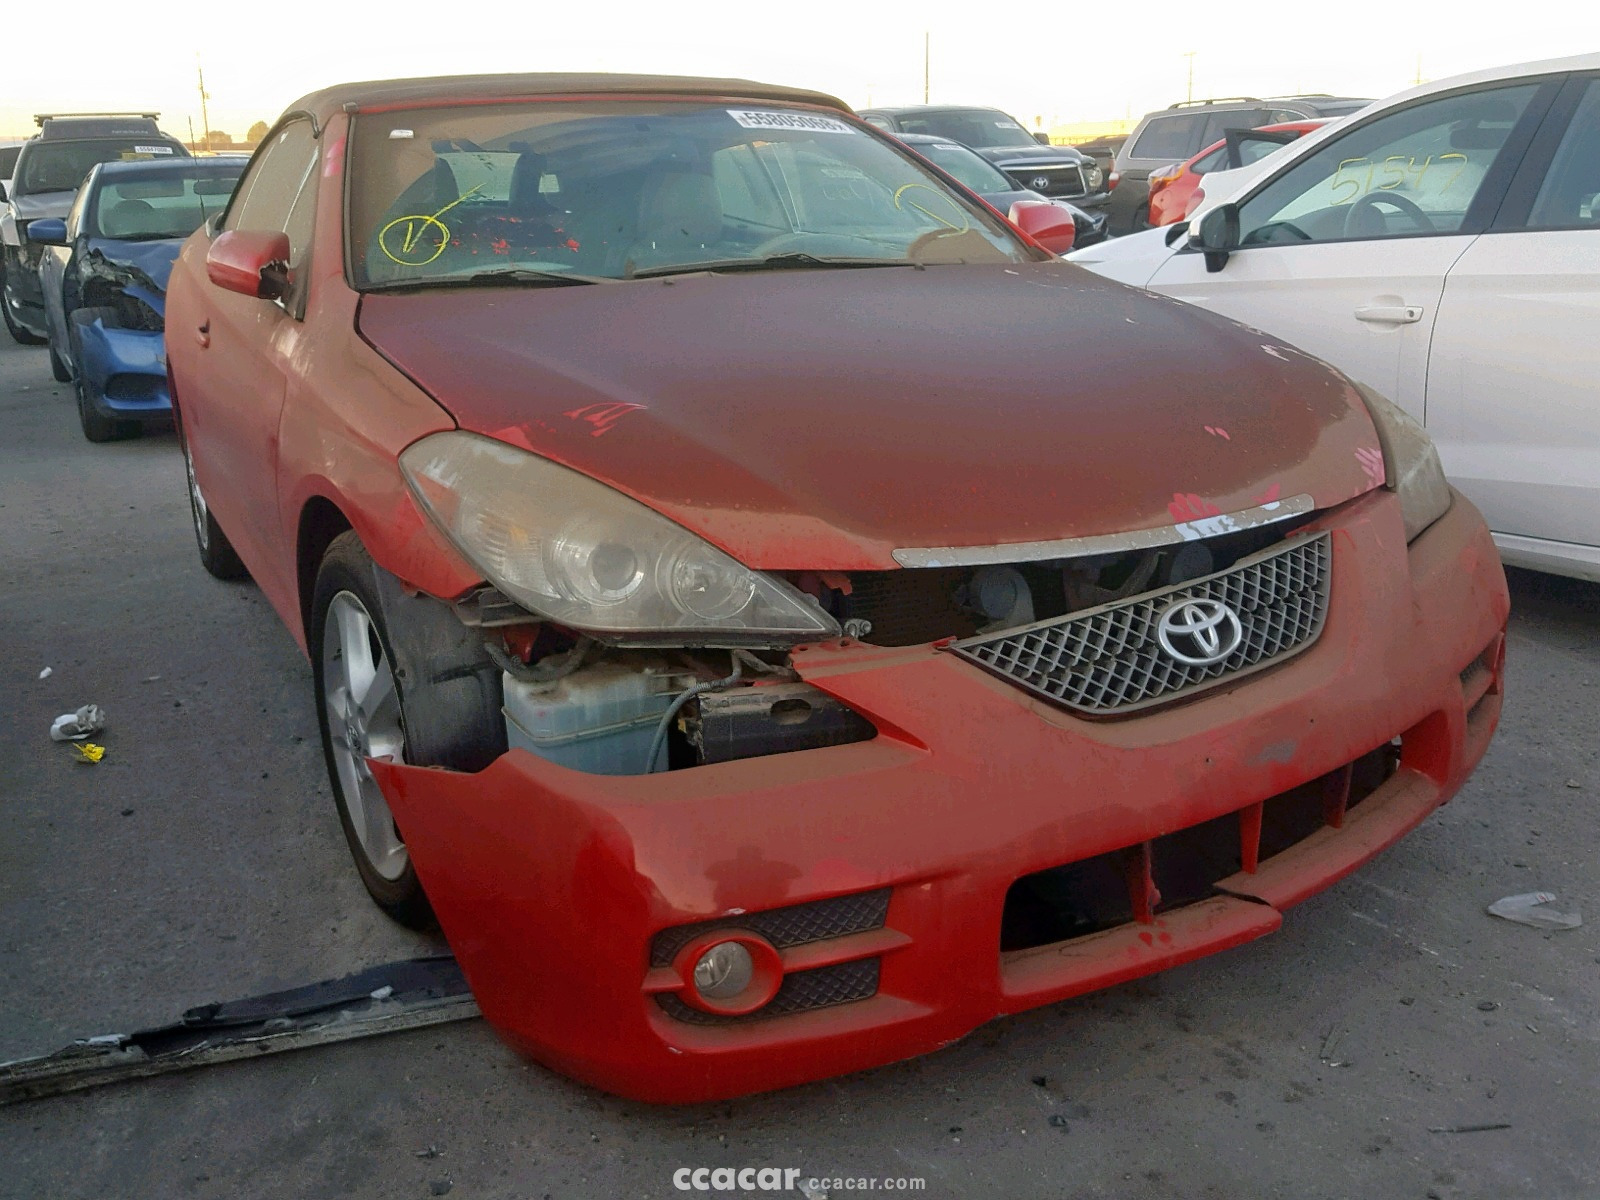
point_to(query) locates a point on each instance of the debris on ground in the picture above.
(1468, 1128)
(425, 991)
(1330, 1043)
(46, 673)
(1528, 909)
(88, 752)
(73, 726)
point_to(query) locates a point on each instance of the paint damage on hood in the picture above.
(825, 418)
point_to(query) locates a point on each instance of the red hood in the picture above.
(819, 419)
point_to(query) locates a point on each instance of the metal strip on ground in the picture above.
(397, 996)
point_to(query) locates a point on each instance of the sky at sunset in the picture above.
(1063, 62)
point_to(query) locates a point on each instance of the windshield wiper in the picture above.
(774, 262)
(499, 278)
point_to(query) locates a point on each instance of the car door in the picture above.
(1512, 399)
(1344, 250)
(56, 270)
(246, 344)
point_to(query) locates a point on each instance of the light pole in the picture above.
(205, 119)
(1189, 97)
(924, 66)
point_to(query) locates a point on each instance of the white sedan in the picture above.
(1442, 246)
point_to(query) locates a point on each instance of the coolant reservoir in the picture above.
(600, 719)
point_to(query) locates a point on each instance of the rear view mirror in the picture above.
(48, 231)
(251, 263)
(1049, 225)
(1216, 235)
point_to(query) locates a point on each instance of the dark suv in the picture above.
(48, 171)
(1181, 130)
(1059, 172)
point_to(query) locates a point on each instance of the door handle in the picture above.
(203, 334)
(1390, 314)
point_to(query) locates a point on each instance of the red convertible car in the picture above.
(751, 607)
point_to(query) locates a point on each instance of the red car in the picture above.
(750, 605)
(1175, 190)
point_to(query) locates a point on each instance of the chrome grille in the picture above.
(1059, 180)
(1108, 660)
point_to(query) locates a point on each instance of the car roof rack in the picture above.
(1217, 100)
(40, 118)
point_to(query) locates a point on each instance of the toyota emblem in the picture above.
(1199, 633)
(1039, 182)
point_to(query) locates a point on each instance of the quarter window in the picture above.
(1570, 195)
(1412, 172)
(1177, 136)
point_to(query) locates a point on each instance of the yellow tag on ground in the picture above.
(88, 752)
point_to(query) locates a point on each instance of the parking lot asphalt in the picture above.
(202, 860)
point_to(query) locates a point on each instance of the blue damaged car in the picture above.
(104, 277)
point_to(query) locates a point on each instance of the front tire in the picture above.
(18, 334)
(395, 676)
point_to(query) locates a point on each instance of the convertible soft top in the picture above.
(410, 93)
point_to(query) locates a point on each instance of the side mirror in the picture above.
(1041, 137)
(1216, 235)
(1050, 225)
(48, 231)
(249, 262)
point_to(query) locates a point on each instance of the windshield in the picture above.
(61, 166)
(985, 128)
(969, 168)
(164, 204)
(612, 190)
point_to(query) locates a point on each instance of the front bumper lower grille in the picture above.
(796, 925)
(1110, 660)
(801, 991)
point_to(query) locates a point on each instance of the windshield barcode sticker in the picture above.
(804, 122)
(152, 149)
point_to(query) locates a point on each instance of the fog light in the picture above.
(730, 972)
(724, 971)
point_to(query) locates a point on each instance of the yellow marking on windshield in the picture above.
(422, 239)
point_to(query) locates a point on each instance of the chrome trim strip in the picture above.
(1105, 543)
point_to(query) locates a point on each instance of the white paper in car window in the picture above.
(806, 122)
(152, 149)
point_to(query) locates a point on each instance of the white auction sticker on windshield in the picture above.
(152, 149)
(752, 118)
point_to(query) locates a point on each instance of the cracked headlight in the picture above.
(576, 551)
(1410, 464)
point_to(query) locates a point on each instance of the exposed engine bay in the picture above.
(615, 710)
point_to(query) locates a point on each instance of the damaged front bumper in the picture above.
(888, 876)
(124, 372)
